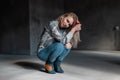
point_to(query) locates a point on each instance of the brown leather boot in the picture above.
(49, 68)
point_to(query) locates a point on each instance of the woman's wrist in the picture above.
(72, 31)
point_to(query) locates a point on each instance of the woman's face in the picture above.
(66, 22)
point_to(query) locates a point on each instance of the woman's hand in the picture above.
(77, 27)
(68, 45)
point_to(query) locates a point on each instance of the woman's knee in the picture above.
(42, 56)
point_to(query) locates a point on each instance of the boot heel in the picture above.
(49, 69)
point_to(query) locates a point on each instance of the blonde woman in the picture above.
(58, 38)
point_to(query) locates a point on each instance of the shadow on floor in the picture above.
(31, 65)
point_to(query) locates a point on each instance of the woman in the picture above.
(57, 40)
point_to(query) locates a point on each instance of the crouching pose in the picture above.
(58, 37)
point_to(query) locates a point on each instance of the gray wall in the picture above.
(42, 11)
(22, 23)
(98, 18)
(14, 27)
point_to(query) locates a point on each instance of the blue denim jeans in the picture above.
(53, 52)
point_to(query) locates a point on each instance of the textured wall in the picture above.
(14, 27)
(42, 11)
(98, 18)
(22, 23)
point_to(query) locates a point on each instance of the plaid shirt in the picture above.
(52, 33)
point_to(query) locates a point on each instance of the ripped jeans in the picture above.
(52, 52)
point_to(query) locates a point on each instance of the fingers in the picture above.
(78, 27)
(78, 22)
(68, 45)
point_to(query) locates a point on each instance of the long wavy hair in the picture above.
(76, 36)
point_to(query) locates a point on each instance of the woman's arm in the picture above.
(69, 36)
(77, 27)
(58, 35)
(53, 26)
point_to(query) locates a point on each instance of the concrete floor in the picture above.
(79, 65)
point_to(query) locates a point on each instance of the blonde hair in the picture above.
(76, 36)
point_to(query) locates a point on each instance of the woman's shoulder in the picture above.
(53, 23)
